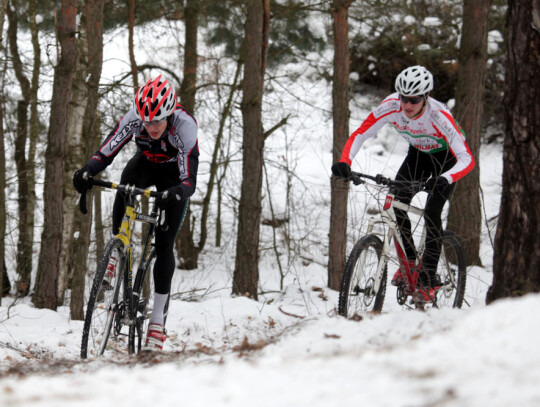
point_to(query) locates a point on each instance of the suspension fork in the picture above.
(127, 267)
(384, 252)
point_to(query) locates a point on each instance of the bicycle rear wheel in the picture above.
(452, 268)
(357, 294)
(104, 304)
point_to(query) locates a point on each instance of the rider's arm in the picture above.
(185, 140)
(114, 142)
(369, 128)
(455, 137)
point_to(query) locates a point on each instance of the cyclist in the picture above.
(438, 154)
(168, 157)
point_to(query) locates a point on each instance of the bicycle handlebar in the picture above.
(131, 190)
(128, 189)
(356, 178)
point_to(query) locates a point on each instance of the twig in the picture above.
(291, 315)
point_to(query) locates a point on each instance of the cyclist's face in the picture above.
(412, 107)
(155, 128)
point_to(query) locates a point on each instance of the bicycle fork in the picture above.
(383, 258)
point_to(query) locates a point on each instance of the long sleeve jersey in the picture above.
(178, 144)
(434, 130)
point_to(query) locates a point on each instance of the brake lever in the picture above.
(82, 203)
(356, 180)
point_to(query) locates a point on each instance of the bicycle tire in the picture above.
(102, 305)
(452, 268)
(356, 294)
(141, 302)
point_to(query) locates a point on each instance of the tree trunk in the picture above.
(75, 145)
(246, 272)
(3, 214)
(132, 62)
(24, 261)
(189, 83)
(465, 217)
(516, 263)
(34, 135)
(185, 245)
(90, 132)
(45, 294)
(340, 110)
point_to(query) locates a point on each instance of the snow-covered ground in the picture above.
(234, 351)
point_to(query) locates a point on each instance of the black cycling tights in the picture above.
(419, 166)
(142, 173)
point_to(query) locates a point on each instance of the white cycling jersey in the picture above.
(434, 130)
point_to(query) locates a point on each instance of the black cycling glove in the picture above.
(341, 170)
(174, 195)
(82, 182)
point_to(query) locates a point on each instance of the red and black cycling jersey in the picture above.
(177, 144)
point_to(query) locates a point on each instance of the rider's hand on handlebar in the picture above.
(82, 180)
(436, 182)
(341, 170)
(170, 197)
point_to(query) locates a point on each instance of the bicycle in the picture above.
(121, 304)
(363, 283)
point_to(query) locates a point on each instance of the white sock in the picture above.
(159, 306)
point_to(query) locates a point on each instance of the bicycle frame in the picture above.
(363, 283)
(125, 233)
(131, 215)
(388, 218)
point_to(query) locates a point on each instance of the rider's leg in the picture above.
(432, 215)
(439, 163)
(410, 170)
(163, 273)
(165, 262)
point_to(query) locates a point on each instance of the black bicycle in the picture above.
(118, 307)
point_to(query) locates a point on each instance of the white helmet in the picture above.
(414, 81)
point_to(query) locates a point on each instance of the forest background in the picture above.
(57, 106)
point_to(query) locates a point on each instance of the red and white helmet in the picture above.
(414, 81)
(155, 100)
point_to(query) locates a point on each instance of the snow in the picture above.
(290, 348)
(484, 355)
(432, 22)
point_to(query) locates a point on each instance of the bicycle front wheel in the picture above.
(358, 293)
(452, 268)
(104, 304)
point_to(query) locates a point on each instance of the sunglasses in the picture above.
(413, 99)
(153, 123)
